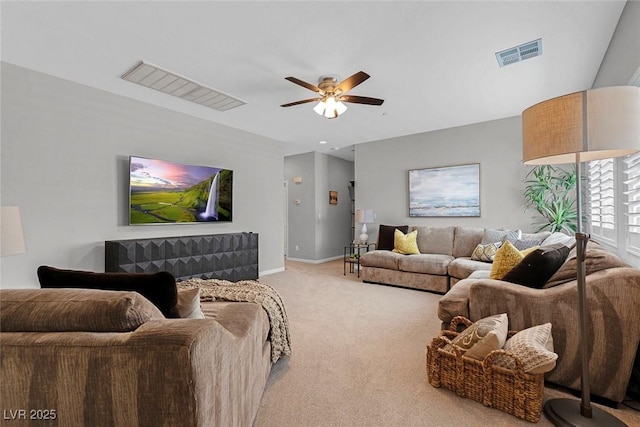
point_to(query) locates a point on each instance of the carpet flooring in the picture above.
(358, 358)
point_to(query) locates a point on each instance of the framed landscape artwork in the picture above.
(445, 191)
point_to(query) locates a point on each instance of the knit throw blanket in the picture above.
(250, 291)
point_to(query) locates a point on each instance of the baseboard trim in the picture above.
(315, 261)
(273, 271)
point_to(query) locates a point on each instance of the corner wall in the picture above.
(382, 174)
(317, 230)
(65, 150)
(622, 59)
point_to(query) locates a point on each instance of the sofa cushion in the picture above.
(72, 310)
(455, 302)
(159, 288)
(465, 240)
(405, 244)
(480, 274)
(435, 240)
(386, 235)
(483, 336)
(596, 258)
(461, 268)
(425, 263)
(538, 266)
(492, 235)
(541, 235)
(381, 259)
(558, 237)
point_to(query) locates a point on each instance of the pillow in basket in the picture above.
(534, 347)
(482, 337)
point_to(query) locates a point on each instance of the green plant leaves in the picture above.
(550, 191)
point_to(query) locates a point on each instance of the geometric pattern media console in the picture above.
(230, 256)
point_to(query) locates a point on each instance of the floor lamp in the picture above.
(580, 127)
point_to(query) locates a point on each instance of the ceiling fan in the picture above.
(333, 94)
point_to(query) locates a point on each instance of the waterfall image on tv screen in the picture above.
(164, 192)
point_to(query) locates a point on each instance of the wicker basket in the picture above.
(512, 391)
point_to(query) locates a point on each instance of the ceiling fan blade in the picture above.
(351, 82)
(303, 84)
(361, 100)
(304, 101)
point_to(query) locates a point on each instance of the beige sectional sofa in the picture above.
(80, 357)
(613, 291)
(444, 259)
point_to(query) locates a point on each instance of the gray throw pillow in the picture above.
(522, 244)
(492, 235)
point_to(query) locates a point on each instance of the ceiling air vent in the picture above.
(519, 53)
(154, 77)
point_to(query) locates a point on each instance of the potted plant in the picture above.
(550, 191)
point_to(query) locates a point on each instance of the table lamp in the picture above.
(11, 236)
(364, 216)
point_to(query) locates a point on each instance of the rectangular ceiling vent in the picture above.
(519, 53)
(154, 77)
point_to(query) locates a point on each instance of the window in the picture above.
(613, 190)
(601, 174)
(631, 176)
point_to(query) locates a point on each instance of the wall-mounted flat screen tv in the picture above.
(162, 192)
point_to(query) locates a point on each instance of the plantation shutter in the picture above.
(601, 174)
(631, 172)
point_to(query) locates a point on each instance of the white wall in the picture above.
(333, 229)
(65, 151)
(317, 230)
(301, 227)
(382, 170)
(622, 59)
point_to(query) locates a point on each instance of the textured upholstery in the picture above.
(425, 263)
(444, 259)
(381, 259)
(614, 322)
(541, 235)
(435, 240)
(432, 269)
(64, 310)
(462, 267)
(426, 282)
(455, 302)
(168, 372)
(465, 241)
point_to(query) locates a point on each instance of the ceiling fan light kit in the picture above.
(333, 94)
(330, 108)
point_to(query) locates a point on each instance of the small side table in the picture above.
(352, 255)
